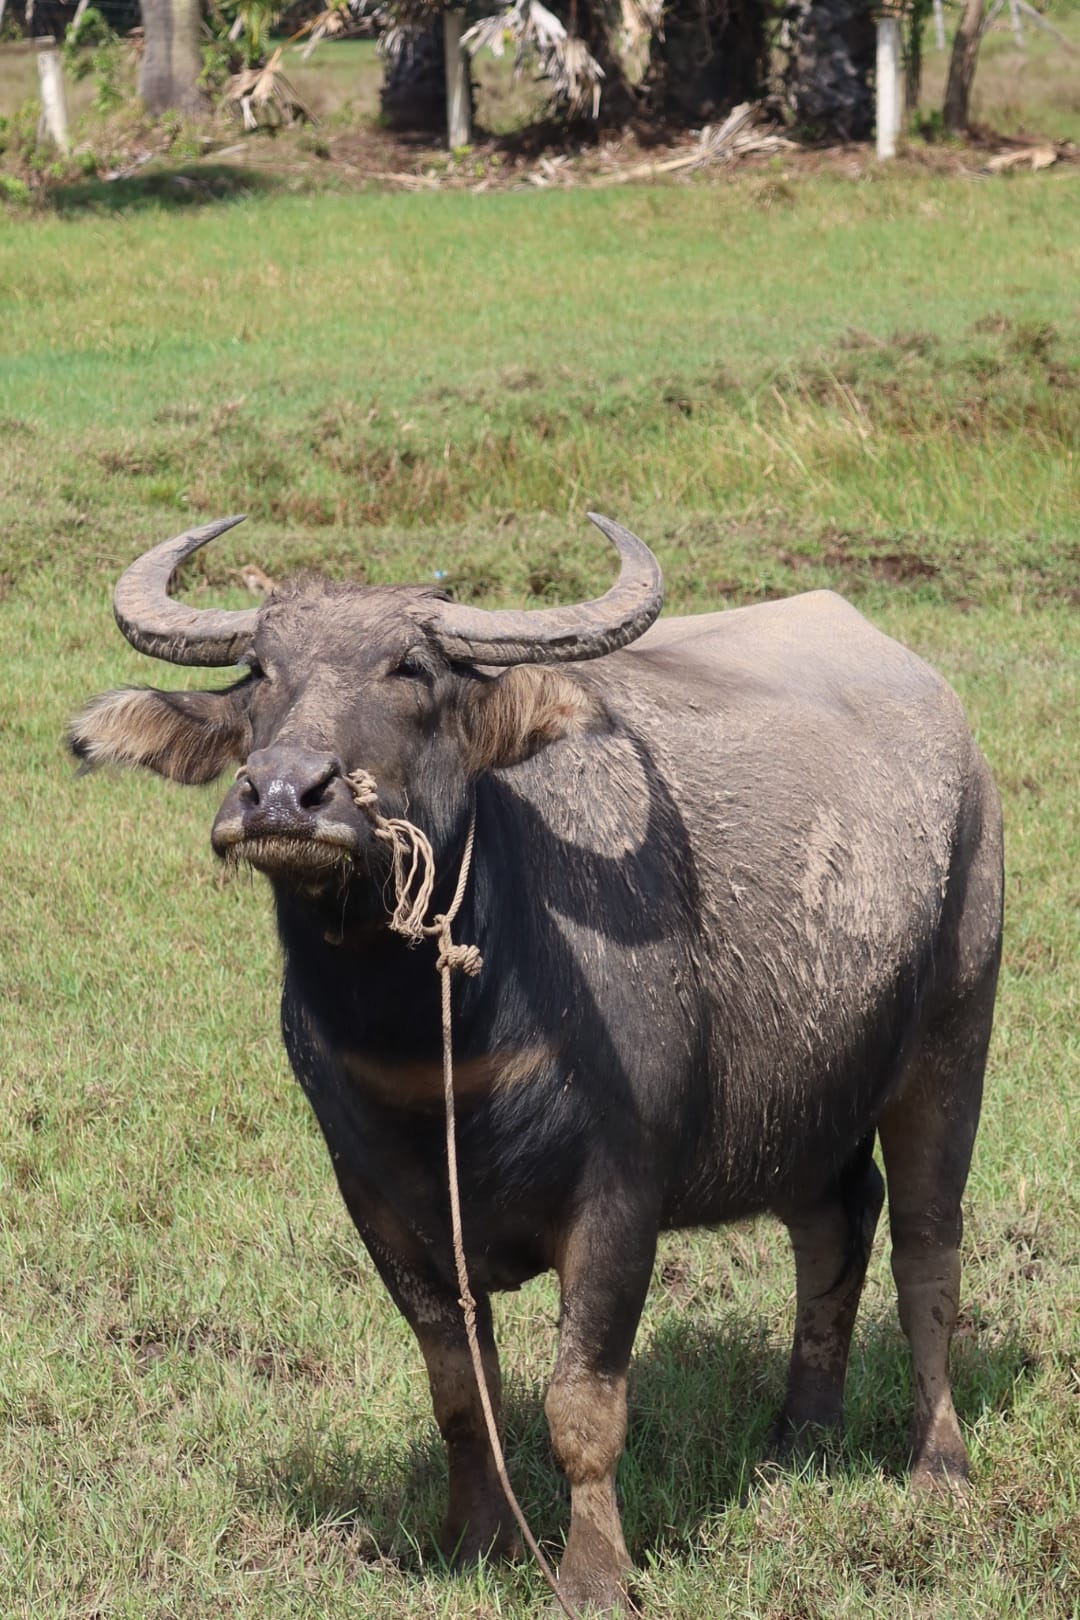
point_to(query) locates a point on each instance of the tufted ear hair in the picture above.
(188, 736)
(511, 717)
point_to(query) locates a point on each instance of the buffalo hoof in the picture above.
(939, 1459)
(790, 1444)
(594, 1598)
(496, 1541)
(946, 1473)
(596, 1588)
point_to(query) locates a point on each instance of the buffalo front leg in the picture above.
(478, 1519)
(832, 1244)
(604, 1268)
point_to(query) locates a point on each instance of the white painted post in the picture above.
(458, 118)
(939, 25)
(53, 105)
(1047, 27)
(3, 4)
(1017, 25)
(888, 92)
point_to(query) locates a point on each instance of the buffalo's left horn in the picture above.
(162, 628)
(559, 634)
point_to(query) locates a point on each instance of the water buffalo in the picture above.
(737, 885)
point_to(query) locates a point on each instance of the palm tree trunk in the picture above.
(155, 69)
(413, 94)
(965, 53)
(830, 46)
(709, 56)
(187, 56)
(172, 59)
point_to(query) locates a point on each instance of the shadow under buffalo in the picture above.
(702, 1400)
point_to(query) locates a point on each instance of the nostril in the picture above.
(248, 790)
(315, 795)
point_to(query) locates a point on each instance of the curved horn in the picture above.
(162, 628)
(557, 635)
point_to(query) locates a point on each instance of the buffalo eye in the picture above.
(412, 667)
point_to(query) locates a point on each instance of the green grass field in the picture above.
(209, 1408)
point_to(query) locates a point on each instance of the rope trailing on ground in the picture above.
(414, 863)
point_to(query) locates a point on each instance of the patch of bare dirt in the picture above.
(153, 1343)
(893, 567)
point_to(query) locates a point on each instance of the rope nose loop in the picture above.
(414, 877)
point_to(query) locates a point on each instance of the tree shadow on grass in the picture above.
(196, 185)
(702, 1400)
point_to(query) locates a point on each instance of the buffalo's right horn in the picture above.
(556, 635)
(162, 628)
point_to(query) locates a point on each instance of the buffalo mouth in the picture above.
(281, 854)
(311, 853)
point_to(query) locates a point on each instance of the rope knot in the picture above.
(451, 956)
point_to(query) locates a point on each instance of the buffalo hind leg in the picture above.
(927, 1136)
(832, 1244)
(478, 1518)
(604, 1268)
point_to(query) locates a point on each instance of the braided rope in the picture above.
(414, 862)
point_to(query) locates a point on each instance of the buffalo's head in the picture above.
(396, 682)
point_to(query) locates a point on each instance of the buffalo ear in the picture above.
(513, 716)
(187, 736)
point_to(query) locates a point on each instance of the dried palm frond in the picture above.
(264, 95)
(402, 23)
(397, 22)
(339, 19)
(640, 23)
(642, 19)
(536, 34)
(563, 59)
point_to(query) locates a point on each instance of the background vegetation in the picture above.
(208, 1406)
(116, 150)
